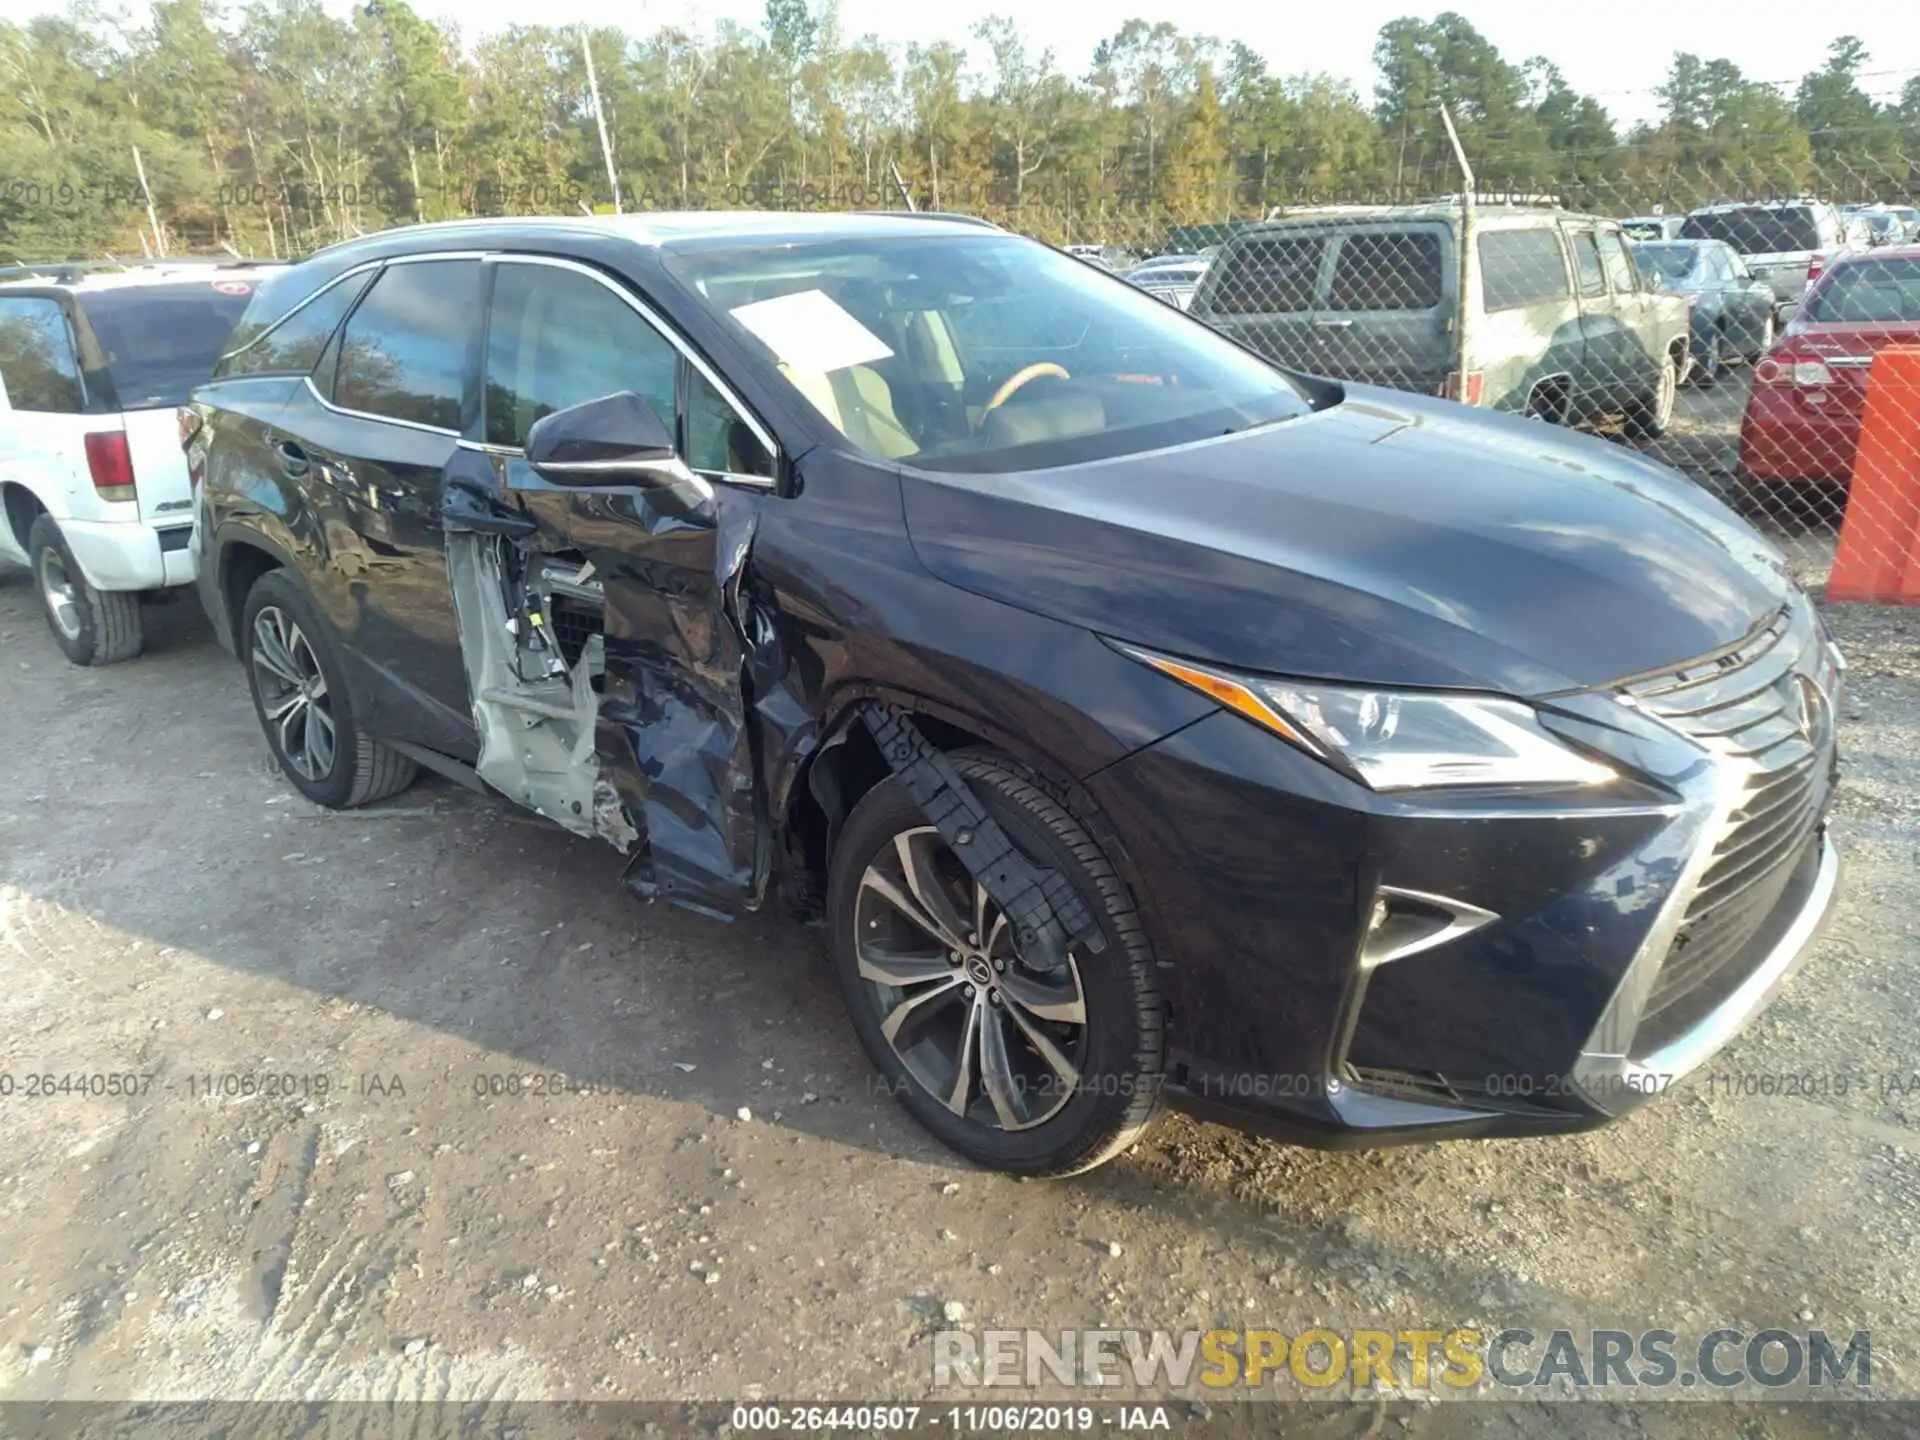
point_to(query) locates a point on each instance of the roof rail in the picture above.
(956, 215)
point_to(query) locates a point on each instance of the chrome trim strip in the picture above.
(515, 452)
(1653, 1073)
(666, 332)
(377, 419)
(362, 268)
(673, 471)
(1466, 919)
(1606, 1047)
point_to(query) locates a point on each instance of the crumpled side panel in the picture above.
(674, 735)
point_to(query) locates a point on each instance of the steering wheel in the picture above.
(1013, 382)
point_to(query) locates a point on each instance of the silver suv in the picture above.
(1786, 243)
(1561, 324)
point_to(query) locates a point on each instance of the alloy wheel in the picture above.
(293, 693)
(58, 590)
(995, 1039)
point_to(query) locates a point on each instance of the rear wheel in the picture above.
(92, 626)
(299, 692)
(1018, 1067)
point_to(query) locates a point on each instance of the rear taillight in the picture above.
(1475, 387)
(110, 463)
(1803, 373)
(1816, 264)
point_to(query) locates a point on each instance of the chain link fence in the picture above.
(1729, 323)
(1735, 334)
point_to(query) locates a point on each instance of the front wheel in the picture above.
(1020, 1068)
(1708, 365)
(1652, 417)
(300, 693)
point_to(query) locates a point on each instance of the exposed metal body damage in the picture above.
(626, 682)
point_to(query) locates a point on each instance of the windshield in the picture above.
(1755, 230)
(1868, 292)
(1666, 263)
(983, 352)
(162, 340)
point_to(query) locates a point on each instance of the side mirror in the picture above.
(616, 441)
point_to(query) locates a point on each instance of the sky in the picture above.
(1617, 51)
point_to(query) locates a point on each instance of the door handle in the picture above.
(1333, 324)
(293, 460)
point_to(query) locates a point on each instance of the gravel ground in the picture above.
(735, 1213)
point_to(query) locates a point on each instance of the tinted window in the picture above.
(1869, 291)
(1269, 276)
(1386, 270)
(879, 337)
(160, 341)
(558, 338)
(404, 351)
(1671, 262)
(36, 356)
(1521, 267)
(1755, 230)
(294, 345)
(718, 439)
(1586, 264)
(1619, 265)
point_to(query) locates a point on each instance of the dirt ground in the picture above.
(733, 1212)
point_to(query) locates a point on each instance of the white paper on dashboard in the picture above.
(808, 330)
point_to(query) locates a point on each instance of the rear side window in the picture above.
(1619, 265)
(403, 355)
(160, 341)
(293, 346)
(1386, 270)
(36, 356)
(1521, 267)
(1269, 276)
(1586, 264)
(559, 338)
(1869, 292)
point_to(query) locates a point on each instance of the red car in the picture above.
(1803, 414)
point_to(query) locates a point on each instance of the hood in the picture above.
(1385, 540)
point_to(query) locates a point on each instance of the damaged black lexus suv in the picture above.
(1148, 725)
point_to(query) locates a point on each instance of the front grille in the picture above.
(1755, 706)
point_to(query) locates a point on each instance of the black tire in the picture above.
(1117, 1094)
(1707, 368)
(91, 626)
(360, 769)
(1651, 417)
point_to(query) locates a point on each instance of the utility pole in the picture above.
(600, 120)
(1469, 267)
(159, 240)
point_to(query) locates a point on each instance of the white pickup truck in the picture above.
(94, 494)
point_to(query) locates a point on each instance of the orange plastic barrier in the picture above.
(1877, 561)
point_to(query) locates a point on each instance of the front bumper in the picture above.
(1261, 870)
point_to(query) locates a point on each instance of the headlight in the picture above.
(1397, 739)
